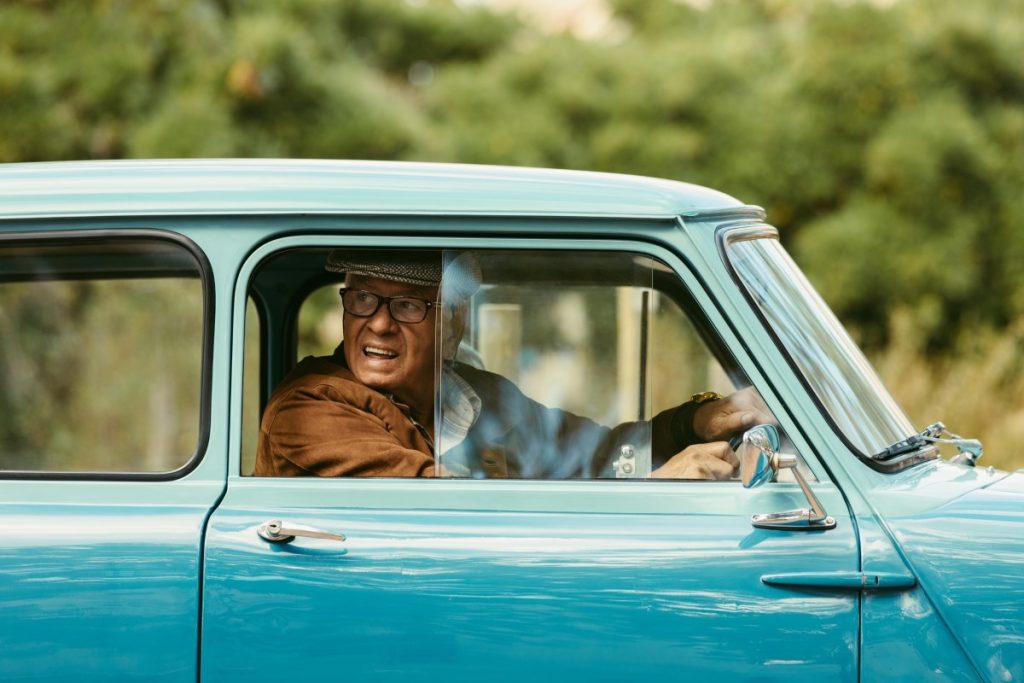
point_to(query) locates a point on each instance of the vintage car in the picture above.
(149, 309)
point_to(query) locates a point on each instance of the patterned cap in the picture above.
(412, 267)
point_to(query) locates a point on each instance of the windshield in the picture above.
(833, 366)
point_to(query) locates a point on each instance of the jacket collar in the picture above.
(460, 405)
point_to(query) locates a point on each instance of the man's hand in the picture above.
(731, 415)
(713, 461)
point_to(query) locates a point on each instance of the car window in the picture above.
(586, 353)
(101, 354)
(590, 348)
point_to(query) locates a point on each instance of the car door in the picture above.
(104, 423)
(615, 578)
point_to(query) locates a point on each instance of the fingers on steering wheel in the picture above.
(717, 468)
(728, 454)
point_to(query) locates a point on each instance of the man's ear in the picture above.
(453, 325)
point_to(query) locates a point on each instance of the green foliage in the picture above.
(394, 35)
(302, 78)
(98, 373)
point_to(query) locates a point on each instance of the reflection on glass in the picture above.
(563, 364)
(546, 380)
(835, 368)
(544, 364)
(101, 356)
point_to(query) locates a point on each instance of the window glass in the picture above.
(570, 366)
(679, 360)
(833, 366)
(101, 347)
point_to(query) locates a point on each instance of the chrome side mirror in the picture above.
(760, 462)
(756, 452)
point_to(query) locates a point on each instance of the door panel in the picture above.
(502, 579)
(422, 593)
(100, 591)
(105, 367)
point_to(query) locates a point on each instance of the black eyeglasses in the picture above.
(404, 309)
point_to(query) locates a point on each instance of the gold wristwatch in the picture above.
(705, 396)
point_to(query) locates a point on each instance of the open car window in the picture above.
(569, 365)
(550, 364)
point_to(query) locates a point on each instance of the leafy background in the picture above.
(885, 139)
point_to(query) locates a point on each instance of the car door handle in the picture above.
(275, 531)
(859, 581)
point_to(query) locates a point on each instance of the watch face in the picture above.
(705, 396)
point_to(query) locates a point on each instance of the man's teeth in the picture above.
(377, 351)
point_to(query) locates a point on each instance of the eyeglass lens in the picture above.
(404, 309)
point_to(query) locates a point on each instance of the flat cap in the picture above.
(411, 267)
(461, 270)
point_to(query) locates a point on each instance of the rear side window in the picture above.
(101, 355)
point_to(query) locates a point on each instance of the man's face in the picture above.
(387, 355)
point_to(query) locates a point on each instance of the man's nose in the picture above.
(381, 321)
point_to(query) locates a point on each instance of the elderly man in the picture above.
(369, 409)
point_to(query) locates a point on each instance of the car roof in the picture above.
(268, 186)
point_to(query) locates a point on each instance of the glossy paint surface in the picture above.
(905, 639)
(902, 636)
(99, 592)
(99, 579)
(969, 558)
(426, 594)
(249, 187)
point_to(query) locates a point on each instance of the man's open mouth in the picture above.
(378, 352)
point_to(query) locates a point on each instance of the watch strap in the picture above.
(682, 420)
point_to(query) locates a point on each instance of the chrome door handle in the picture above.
(274, 531)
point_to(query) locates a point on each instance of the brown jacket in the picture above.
(321, 421)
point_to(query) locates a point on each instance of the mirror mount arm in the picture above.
(817, 512)
(802, 519)
(760, 462)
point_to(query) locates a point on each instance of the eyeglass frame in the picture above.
(386, 300)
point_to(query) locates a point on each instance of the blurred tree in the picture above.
(298, 78)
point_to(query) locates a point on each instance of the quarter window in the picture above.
(101, 352)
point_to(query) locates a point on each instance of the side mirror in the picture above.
(755, 454)
(760, 462)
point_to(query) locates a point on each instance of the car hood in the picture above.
(968, 555)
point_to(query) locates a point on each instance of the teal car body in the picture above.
(164, 575)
